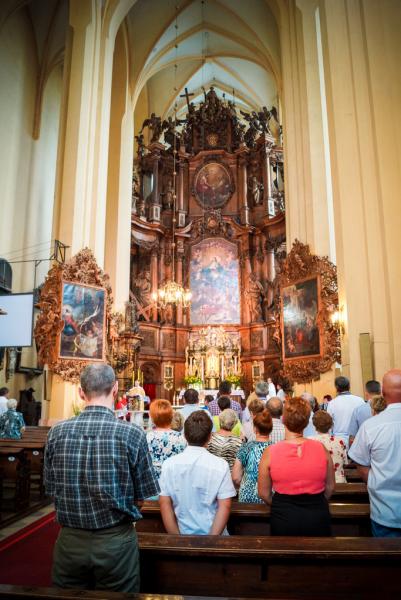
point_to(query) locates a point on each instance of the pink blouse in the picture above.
(298, 468)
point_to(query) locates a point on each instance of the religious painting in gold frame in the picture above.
(316, 276)
(83, 312)
(300, 328)
(213, 185)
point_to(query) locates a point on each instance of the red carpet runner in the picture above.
(26, 556)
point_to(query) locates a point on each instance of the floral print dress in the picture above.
(338, 452)
(249, 456)
(162, 444)
(11, 423)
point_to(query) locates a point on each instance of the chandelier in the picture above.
(172, 292)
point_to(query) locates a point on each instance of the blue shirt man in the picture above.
(191, 399)
(377, 452)
(363, 411)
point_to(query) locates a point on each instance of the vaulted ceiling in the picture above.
(230, 44)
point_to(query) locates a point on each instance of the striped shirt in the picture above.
(278, 431)
(96, 468)
(214, 408)
(225, 447)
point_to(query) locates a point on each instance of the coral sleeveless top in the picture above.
(298, 468)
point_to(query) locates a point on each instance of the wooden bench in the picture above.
(254, 519)
(270, 567)
(17, 591)
(15, 474)
(351, 493)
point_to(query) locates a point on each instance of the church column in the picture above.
(180, 198)
(154, 278)
(154, 209)
(267, 184)
(243, 185)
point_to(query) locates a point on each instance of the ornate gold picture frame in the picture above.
(298, 272)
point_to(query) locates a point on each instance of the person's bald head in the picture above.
(275, 407)
(392, 386)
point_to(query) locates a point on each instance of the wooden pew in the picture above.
(15, 473)
(271, 567)
(354, 492)
(254, 519)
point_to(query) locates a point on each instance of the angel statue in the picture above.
(154, 124)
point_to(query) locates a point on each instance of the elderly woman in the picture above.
(177, 422)
(223, 403)
(223, 443)
(245, 469)
(323, 423)
(163, 441)
(255, 407)
(11, 422)
(301, 472)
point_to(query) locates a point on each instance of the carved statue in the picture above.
(135, 190)
(255, 294)
(256, 189)
(154, 124)
(171, 135)
(264, 117)
(142, 288)
(131, 324)
(140, 140)
(168, 195)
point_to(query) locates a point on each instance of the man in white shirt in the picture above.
(196, 486)
(341, 408)
(377, 452)
(275, 408)
(191, 399)
(4, 392)
(364, 411)
(310, 429)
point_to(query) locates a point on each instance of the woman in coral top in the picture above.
(301, 473)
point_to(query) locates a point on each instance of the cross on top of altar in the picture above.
(214, 337)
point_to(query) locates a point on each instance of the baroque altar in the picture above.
(213, 354)
(223, 171)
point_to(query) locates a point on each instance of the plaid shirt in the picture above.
(278, 431)
(214, 409)
(96, 467)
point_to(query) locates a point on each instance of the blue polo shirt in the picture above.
(378, 445)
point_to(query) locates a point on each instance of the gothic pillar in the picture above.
(154, 278)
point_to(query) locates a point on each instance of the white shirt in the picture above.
(3, 404)
(310, 430)
(195, 480)
(341, 409)
(281, 395)
(188, 409)
(378, 445)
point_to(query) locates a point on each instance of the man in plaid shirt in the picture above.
(224, 390)
(98, 469)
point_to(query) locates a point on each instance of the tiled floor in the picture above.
(25, 521)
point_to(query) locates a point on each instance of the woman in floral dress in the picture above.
(163, 441)
(335, 445)
(246, 465)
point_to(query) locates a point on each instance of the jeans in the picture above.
(381, 531)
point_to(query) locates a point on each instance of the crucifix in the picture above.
(187, 96)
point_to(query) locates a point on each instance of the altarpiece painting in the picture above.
(214, 278)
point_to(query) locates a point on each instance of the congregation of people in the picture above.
(287, 452)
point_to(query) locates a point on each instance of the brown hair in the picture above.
(322, 421)
(224, 402)
(256, 406)
(161, 413)
(378, 404)
(263, 422)
(197, 428)
(296, 414)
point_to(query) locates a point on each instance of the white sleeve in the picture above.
(226, 489)
(164, 481)
(360, 449)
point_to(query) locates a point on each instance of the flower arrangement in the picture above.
(192, 380)
(235, 380)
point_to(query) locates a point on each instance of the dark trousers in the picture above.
(300, 515)
(104, 559)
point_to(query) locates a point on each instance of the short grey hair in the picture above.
(97, 380)
(311, 399)
(228, 419)
(12, 404)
